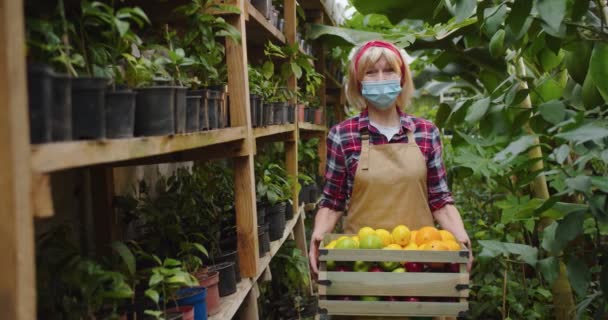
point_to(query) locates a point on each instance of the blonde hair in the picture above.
(367, 60)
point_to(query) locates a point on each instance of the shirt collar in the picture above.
(406, 120)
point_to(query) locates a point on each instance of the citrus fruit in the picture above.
(411, 246)
(452, 245)
(347, 243)
(385, 236)
(427, 234)
(392, 246)
(342, 237)
(356, 238)
(446, 235)
(371, 241)
(331, 245)
(413, 234)
(365, 231)
(437, 245)
(401, 235)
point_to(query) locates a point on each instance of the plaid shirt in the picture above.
(344, 148)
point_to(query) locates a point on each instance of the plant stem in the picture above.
(65, 39)
(504, 292)
(83, 48)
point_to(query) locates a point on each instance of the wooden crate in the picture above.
(425, 285)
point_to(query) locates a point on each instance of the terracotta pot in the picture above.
(301, 113)
(210, 280)
(319, 116)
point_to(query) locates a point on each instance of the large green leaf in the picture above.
(553, 111)
(527, 253)
(494, 18)
(515, 148)
(477, 110)
(598, 67)
(464, 9)
(343, 35)
(587, 132)
(397, 10)
(549, 267)
(520, 12)
(579, 275)
(552, 12)
(127, 256)
(569, 228)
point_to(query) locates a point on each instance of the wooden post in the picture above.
(105, 220)
(17, 271)
(291, 146)
(299, 232)
(238, 87)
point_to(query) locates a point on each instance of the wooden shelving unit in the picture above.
(25, 190)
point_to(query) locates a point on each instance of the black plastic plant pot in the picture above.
(266, 242)
(40, 97)
(203, 118)
(313, 193)
(276, 218)
(291, 114)
(277, 113)
(180, 109)
(285, 113)
(261, 232)
(227, 283)
(260, 111)
(193, 108)
(228, 239)
(268, 113)
(261, 210)
(288, 211)
(120, 114)
(213, 109)
(304, 195)
(253, 100)
(61, 110)
(155, 111)
(230, 256)
(88, 104)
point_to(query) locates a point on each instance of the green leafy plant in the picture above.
(273, 186)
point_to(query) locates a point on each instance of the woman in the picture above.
(384, 166)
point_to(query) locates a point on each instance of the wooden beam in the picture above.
(17, 270)
(42, 197)
(238, 86)
(104, 216)
(299, 232)
(249, 308)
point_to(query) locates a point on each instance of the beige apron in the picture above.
(390, 189)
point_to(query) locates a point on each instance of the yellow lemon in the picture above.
(331, 245)
(365, 231)
(356, 238)
(342, 237)
(386, 236)
(446, 235)
(411, 246)
(401, 235)
(452, 245)
(392, 246)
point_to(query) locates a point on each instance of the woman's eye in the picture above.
(371, 72)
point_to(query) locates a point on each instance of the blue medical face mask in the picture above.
(382, 94)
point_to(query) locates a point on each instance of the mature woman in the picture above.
(384, 167)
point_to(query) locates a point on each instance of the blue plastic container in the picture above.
(195, 297)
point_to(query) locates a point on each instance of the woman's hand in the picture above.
(313, 253)
(325, 221)
(450, 220)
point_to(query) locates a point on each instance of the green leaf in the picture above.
(587, 132)
(561, 154)
(579, 275)
(442, 115)
(201, 248)
(297, 71)
(155, 279)
(527, 253)
(121, 26)
(343, 35)
(549, 267)
(153, 295)
(520, 12)
(598, 67)
(127, 256)
(569, 228)
(494, 17)
(549, 243)
(552, 12)
(553, 111)
(515, 148)
(579, 183)
(464, 9)
(477, 110)
(171, 263)
(600, 182)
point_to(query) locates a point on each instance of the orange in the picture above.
(386, 236)
(446, 235)
(413, 234)
(437, 245)
(365, 231)
(401, 235)
(452, 245)
(427, 234)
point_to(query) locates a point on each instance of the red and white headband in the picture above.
(381, 44)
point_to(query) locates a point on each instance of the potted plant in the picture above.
(272, 188)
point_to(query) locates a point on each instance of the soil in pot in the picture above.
(180, 109)
(195, 297)
(120, 114)
(227, 279)
(61, 109)
(154, 111)
(210, 280)
(40, 97)
(193, 107)
(213, 108)
(268, 113)
(276, 218)
(88, 104)
(253, 100)
(187, 312)
(230, 256)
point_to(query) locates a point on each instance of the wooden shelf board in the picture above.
(273, 130)
(306, 126)
(229, 305)
(65, 155)
(318, 5)
(259, 29)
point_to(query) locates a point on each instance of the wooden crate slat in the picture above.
(392, 308)
(406, 284)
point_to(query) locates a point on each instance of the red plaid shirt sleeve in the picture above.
(335, 190)
(438, 192)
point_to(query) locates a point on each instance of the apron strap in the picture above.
(410, 137)
(364, 157)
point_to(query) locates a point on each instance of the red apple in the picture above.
(390, 298)
(343, 268)
(344, 298)
(413, 267)
(453, 267)
(411, 299)
(376, 269)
